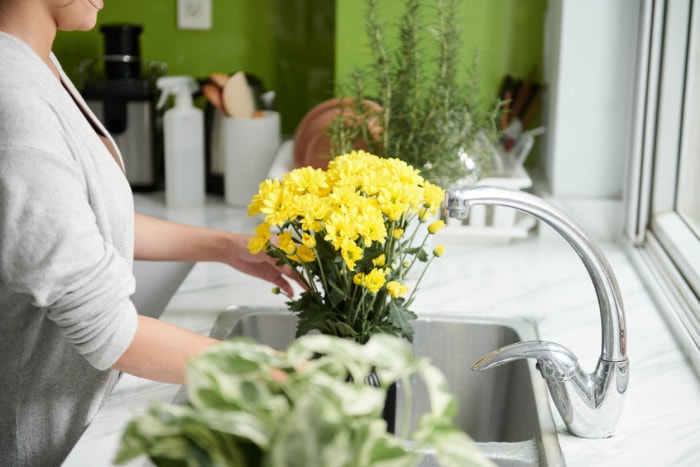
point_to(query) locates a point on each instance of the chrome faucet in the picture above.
(589, 404)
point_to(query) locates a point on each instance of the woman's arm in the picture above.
(160, 240)
(160, 351)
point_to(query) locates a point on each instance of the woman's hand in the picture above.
(260, 265)
(161, 240)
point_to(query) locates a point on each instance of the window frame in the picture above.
(666, 248)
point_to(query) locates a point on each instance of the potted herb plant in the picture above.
(426, 109)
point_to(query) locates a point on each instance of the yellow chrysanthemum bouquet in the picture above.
(352, 233)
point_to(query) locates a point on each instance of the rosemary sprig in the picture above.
(429, 118)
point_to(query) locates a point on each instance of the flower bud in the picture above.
(436, 226)
(439, 250)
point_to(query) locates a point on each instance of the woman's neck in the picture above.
(21, 19)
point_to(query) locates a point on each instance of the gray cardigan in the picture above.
(66, 256)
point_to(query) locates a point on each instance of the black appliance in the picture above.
(120, 89)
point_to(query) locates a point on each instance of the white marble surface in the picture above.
(539, 277)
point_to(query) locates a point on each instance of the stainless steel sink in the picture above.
(156, 283)
(506, 410)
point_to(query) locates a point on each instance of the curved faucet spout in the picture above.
(590, 404)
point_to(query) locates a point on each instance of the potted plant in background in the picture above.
(427, 114)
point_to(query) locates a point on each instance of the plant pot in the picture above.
(389, 412)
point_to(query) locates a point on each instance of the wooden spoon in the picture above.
(213, 94)
(218, 78)
(237, 98)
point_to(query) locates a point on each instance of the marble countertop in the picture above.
(538, 277)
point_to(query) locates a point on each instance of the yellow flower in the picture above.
(286, 243)
(439, 250)
(423, 215)
(351, 253)
(328, 222)
(394, 201)
(305, 254)
(269, 200)
(375, 280)
(263, 231)
(340, 228)
(309, 241)
(359, 278)
(308, 209)
(258, 243)
(436, 226)
(345, 197)
(370, 225)
(434, 196)
(394, 211)
(396, 289)
(346, 169)
(306, 180)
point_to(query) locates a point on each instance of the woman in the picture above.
(68, 237)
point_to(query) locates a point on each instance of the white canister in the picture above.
(248, 147)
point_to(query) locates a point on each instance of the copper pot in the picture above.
(311, 143)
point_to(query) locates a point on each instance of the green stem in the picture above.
(420, 278)
(383, 63)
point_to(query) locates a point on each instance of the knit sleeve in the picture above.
(53, 252)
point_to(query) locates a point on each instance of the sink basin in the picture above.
(505, 410)
(156, 283)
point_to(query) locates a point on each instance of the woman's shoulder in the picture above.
(29, 94)
(23, 74)
(20, 60)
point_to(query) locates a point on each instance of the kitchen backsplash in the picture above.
(298, 47)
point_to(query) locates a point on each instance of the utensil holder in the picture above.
(248, 147)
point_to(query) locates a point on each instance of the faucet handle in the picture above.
(565, 378)
(554, 361)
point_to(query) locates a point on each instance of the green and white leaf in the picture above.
(239, 415)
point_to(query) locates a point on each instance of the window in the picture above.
(688, 203)
(664, 183)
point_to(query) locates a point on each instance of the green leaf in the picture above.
(241, 424)
(341, 329)
(401, 318)
(419, 252)
(336, 294)
(238, 415)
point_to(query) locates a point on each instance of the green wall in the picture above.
(241, 37)
(507, 34)
(296, 46)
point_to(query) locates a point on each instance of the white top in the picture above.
(66, 255)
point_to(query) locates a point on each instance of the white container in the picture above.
(248, 147)
(183, 134)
